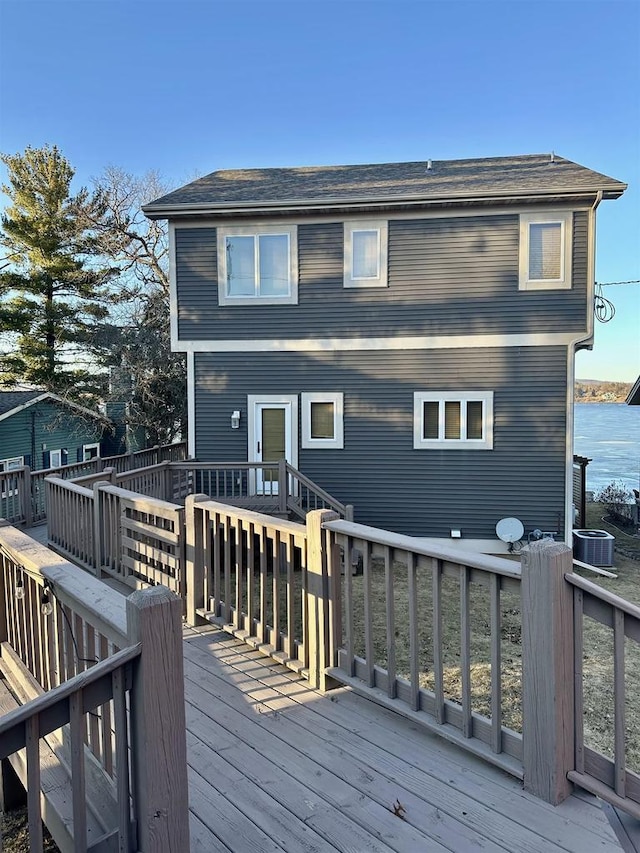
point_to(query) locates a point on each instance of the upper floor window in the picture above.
(453, 420)
(258, 265)
(365, 254)
(90, 451)
(322, 421)
(545, 250)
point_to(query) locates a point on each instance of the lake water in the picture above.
(609, 434)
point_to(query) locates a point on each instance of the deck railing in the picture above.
(23, 494)
(76, 652)
(247, 573)
(109, 530)
(609, 768)
(424, 628)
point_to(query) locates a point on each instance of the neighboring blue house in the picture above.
(403, 333)
(42, 430)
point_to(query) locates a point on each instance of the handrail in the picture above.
(603, 594)
(332, 502)
(401, 542)
(52, 706)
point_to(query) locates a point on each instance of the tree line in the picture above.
(84, 291)
(602, 391)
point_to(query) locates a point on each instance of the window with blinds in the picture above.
(322, 421)
(545, 256)
(444, 419)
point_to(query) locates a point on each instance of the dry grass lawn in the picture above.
(598, 644)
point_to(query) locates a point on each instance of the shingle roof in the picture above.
(12, 399)
(531, 174)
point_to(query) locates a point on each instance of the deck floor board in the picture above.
(292, 769)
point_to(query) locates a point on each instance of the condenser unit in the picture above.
(593, 546)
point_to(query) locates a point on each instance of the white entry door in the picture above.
(273, 435)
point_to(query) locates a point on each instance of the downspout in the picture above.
(571, 366)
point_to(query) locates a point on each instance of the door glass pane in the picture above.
(366, 255)
(452, 419)
(274, 265)
(430, 419)
(273, 440)
(474, 419)
(241, 269)
(322, 420)
(545, 242)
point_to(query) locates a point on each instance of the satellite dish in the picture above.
(510, 529)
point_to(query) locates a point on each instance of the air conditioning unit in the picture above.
(593, 546)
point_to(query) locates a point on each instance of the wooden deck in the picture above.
(274, 766)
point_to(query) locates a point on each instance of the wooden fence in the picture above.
(23, 494)
(93, 704)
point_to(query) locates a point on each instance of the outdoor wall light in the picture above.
(455, 533)
(235, 420)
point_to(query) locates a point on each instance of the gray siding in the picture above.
(419, 492)
(447, 276)
(43, 427)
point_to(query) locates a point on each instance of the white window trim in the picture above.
(547, 217)
(253, 231)
(382, 227)
(94, 446)
(335, 443)
(57, 464)
(441, 397)
(12, 463)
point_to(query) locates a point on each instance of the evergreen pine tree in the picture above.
(53, 284)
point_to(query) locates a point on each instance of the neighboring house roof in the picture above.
(531, 176)
(633, 397)
(14, 401)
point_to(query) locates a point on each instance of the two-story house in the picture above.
(403, 333)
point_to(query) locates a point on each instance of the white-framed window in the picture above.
(453, 420)
(258, 265)
(55, 458)
(323, 421)
(90, 451)
(11, 464)
(545, 250)
(7, 465)
(365, 253)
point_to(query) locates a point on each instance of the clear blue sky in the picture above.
(188, 87)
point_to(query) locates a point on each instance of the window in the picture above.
(11, 464)
(322, 421)
(545, 251)
(258, 265)
(55, 458)
(7, 465)
(453, 420)
(365, 254)
(90, 451)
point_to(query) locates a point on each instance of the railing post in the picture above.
(98, 527)
(283, 486)
(348, 515)
(158, 727)
(168, 482)
(194, 557)
(547, 670)
(319, 628)
(27, 509)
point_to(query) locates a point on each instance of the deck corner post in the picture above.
(547, 670)
(194, 556)
(158, 727)
(318, 596)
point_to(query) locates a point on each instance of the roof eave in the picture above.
(153, 211)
